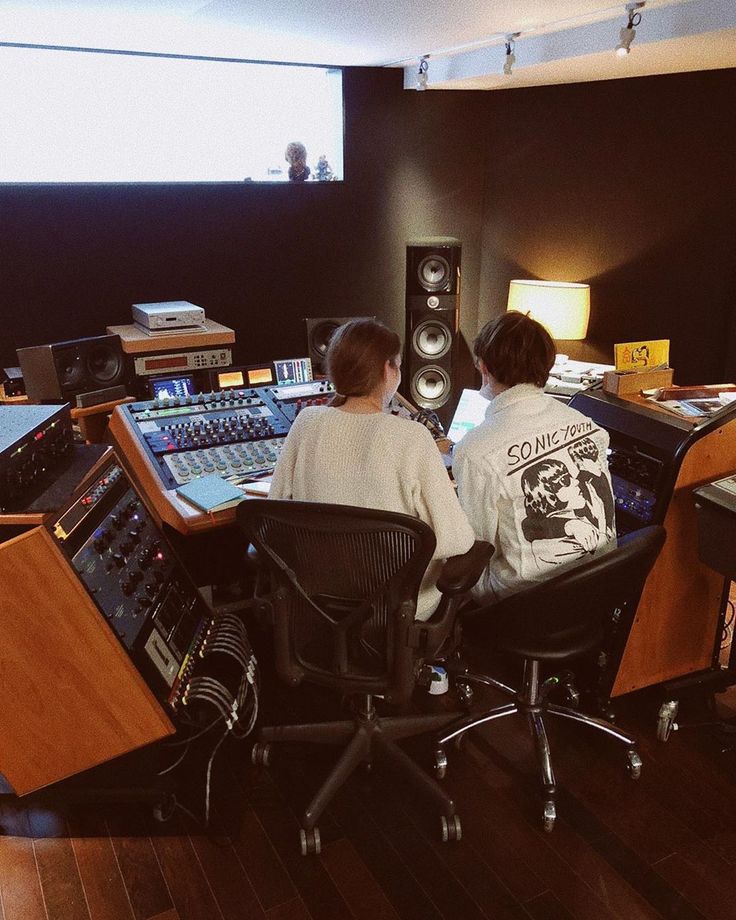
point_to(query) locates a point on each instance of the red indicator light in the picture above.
(38, 435)
(159, 556)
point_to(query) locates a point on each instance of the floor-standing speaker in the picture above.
(319, 332)
(432, 317)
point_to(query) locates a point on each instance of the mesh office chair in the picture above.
(555, 621)
(344, 587)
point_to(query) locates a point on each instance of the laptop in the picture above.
(470, 411)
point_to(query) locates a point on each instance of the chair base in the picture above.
(367, 738)
(532, 704)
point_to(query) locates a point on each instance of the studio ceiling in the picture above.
(560, 41)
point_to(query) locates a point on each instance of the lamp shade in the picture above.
(563, 307)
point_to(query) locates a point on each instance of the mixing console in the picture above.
(292, 399)
(230, 432)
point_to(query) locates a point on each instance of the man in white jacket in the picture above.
(532, 477)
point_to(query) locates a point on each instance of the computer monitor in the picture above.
(471, 410)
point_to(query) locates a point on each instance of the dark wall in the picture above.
(626, 184)
(630, 186)
(257, 258)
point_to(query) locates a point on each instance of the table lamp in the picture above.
(563, 307)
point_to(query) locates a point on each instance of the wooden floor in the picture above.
(664, 846)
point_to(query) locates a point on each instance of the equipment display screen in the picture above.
(172, 387)
(260, 376)
(293, 370)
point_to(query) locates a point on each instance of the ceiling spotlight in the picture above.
(421, 83)
(510, 60)
(626, 35)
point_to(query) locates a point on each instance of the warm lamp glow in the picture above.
(562, 307)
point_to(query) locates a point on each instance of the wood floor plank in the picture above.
(355, 882)
(167, 915)
(698, 873)
(228, 880)
(525, 835)
(190, 890)
(547, 907)
(102, 880)
(587, 766)
(149, 895)
(61, 883)
(308, 876)
(291, 910)
(103, 885)
(20, 885)
(262, 864)
(377, 851)
(450, 898)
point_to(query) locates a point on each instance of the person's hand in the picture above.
(584, 533)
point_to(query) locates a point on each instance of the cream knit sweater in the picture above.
(379, 461)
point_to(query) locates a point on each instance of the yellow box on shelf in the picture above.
(639, 356)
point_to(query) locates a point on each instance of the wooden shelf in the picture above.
(136, 342)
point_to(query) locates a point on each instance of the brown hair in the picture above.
(357, 354)
(516, 349)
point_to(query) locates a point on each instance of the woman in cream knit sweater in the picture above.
(355, 453)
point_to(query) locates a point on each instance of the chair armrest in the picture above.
(460, 573)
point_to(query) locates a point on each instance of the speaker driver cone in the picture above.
(103, 364)
(321, 336)
(433, 273)
(70, 370)
(432, 339)
(430, 387)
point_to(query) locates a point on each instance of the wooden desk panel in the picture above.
(71, 697)
(675, 629)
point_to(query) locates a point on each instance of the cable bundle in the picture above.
(224, 678)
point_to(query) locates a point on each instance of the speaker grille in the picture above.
(104, 363)
(432, 339)
(430, 386)
(433, 273)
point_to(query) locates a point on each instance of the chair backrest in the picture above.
(566, 615)
(345, 582)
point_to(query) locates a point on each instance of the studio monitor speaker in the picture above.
(319, 332)
(66, 369)
(432, 317)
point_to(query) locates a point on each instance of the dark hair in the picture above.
(541, 483)
(585, 449)
(516, 349)
(357, 354)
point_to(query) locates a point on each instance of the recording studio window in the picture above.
(78, 116)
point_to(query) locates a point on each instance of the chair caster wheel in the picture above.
(440, 763)
(634, 764)
(163, 811)
(260, 754)
(666, 720)
(465, 693)
(549, 816)
(452, 829)
(310, 841)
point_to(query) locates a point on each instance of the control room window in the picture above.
(73, 116)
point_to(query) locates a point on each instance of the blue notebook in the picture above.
(211, 493)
